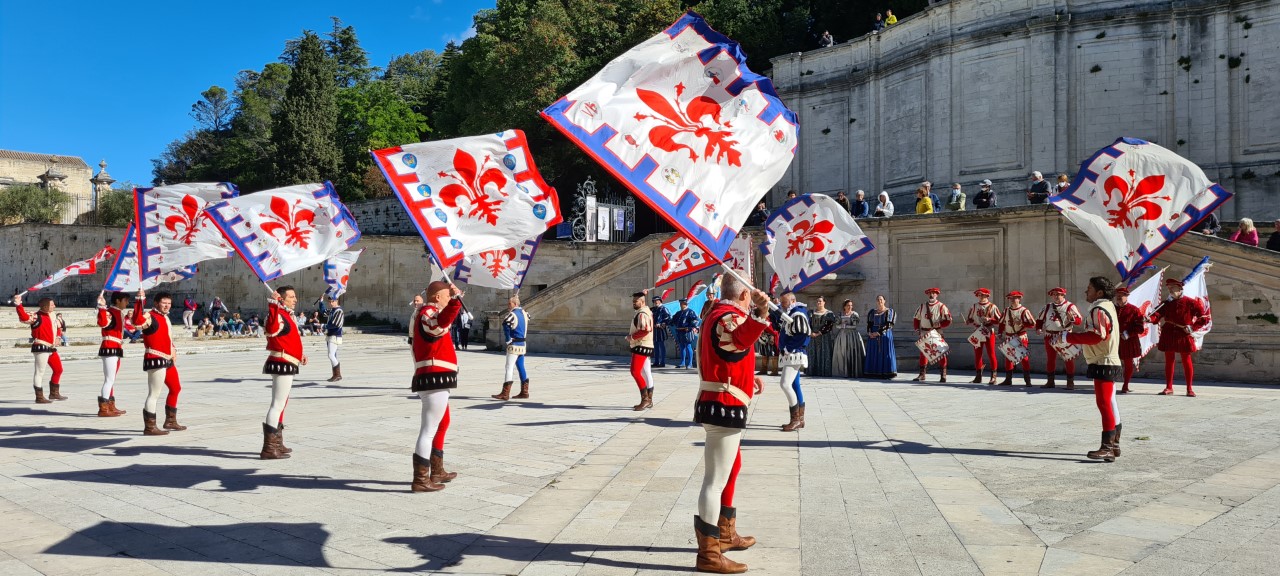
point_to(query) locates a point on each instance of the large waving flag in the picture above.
(1147, 298)
(1134, 198)
(681, 257)
(471, 195)
(81, 268)
(279, 231)
(809, 237)
(126, 272)
(337, 272)
(739, 257)
(175, 228)
(1194, 286)
(503, 269)
(683, 122)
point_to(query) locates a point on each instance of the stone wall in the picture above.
(1027, 248)
(391, 270)
(382, 217)
(974, 89)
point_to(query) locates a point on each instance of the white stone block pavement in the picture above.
(886, 478)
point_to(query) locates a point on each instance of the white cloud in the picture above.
(458, 38)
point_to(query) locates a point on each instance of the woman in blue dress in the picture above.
(881, 359)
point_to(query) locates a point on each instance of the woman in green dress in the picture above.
(849, 351)
(822, 321)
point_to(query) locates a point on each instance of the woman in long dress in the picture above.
(882, 361)
(822, 321)
(849, 352)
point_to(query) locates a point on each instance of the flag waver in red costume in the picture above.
(1058, 316)
(435, 373)
(985, 317)
(931, 317)
(640, 342)
(726, 362)
(1179, 316)
(1101, 342)
(158, 362)
(111, 320)
(1132, 326)
(1014, 325)
(44, 347)
(284, 356)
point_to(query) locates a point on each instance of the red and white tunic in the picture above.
(284, 342)
(111, 321)
(44, 330)
(640, 337)
(932, 316)
(1132, 328)
(435, 362)
(157, 336)
(986, 316)
(1056, 318)
(726, 365)
(1178, 315)
(1016, 321)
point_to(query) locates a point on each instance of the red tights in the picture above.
(55, 364)
(174, 384)
(1130, 364)
(1104, 394)
(942, 362)
(1026, 365)
(437, 443)
(726, 497)
(1188, 369)
(638, 364)
(989, 345)
(1052, 353)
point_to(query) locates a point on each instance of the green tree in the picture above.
(30, 203)
(371, 115)
(191, 158)
(214, 109)
(304, 132)
(415, 78)
(248, 150)
(350, 60)
(115, 206)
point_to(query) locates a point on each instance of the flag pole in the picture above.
(739, 277)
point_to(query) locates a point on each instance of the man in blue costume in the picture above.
(793, 342)
(514, 327)
(685, 323)
(661, 318)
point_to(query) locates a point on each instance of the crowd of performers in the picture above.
(727, 335)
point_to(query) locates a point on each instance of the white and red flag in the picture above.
(279, 231)
(739, 257)
(503, 269)
(337, 272)
(1147, 297)
(1194, 286)
(681, 257)
(81, 268)
(126, 272)
(1134, 199)
(175, 230)
(471, 195)
(683, 122)
(809, 237)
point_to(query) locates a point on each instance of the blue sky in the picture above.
(116, 80)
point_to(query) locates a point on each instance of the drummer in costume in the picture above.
(1015, 322)
(1058, 316)
(985, 317)
(932, 316)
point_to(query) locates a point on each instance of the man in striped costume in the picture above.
(640, 342)
(435, 373)
(333, 336)
(515, 326)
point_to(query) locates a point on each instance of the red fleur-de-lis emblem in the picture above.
(1136, 198)
(294, 222)
(498, 260)
(688, 121)
(807, 236)
(185, 223)
(471, 186)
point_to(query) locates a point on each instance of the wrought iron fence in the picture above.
(600, 214)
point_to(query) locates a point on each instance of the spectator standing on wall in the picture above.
(860, 208)
(878, 24)
(1063, 184)
(985, 198)
(1247, 235)
(1208, 225)
(934, 202)
(1273, 243)
(826, 40)
(759, 215)
(189, 307)
(217, 309)
(1038, 191)
(890, 19)
(884, 208)
(955, 202)
(924, 205)
(843, 201)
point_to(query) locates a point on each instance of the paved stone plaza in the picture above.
(887, 477)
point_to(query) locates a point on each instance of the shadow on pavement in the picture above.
(190, 451)
(492, 404)
(441, 551)
(637, 419)
(905, 447)
(261, 543)
(231, 479)
(29, 411)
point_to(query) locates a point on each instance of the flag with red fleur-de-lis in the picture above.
(126, 273)
(504, 269)
(471, 195)
(682, 122)
(809, 237)
(1134, 198)
(174, 230)
(337, 272)
(286, 229)
(681, 257)
(84, 267)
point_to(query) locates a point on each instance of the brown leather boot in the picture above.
(1051, 383)
(524, 390)
(1115, 441)
(644, 396)
(438, 474)
(1104, 452)
(1071, 381)
(271, 444)
(171, 419)
(55, 392)
(1026, 376)
(118, 411)
(977, 378)
(1008, 378)
(104, 408)
(505, 394)
(337, 374)
(993, 378)
(797, 419)
(40, 399)
(283, 448)
(773, 365)
(648, 397)
(149, 425)
(710, 559)
(944, 375)
(729, 537)
(919, 377)
(422, 476)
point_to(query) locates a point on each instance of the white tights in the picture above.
(789, 374)
(110, 364)
(720, 450)
(280, 386)
(434, 403)
(332, 345)
(155, 383)
(42, 364)
(509, 374)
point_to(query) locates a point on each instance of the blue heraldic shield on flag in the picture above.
(683, 122)
(1134, 199)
